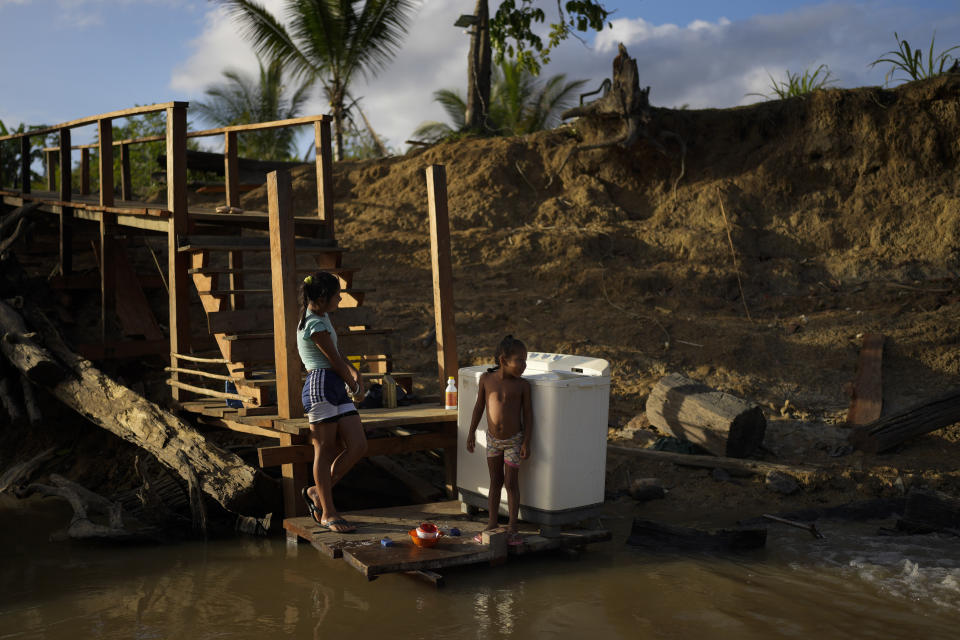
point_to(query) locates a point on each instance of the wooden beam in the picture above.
(108, 228)
(866, 402)
(80, 122)
(25, 164)
(126, 183)
(231, 169)
(442, 272)
(293, 477)
(51, 170)
(806, 474)
(177, 279)
(283, 266)
(66, 213)
(324, 160)
(303, 454)
(891, 430)
(84, 171)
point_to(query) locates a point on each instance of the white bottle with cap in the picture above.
(451, 394)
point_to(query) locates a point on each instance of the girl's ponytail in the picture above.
(317, 286)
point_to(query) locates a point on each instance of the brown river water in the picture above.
(853, 584)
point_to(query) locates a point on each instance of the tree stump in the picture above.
(719, 422)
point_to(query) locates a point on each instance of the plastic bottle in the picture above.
(451, 394)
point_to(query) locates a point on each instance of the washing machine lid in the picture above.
(558, 362)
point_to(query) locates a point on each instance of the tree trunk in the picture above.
(886, 433)
(479, 70)
(221, 475)
(719, 422)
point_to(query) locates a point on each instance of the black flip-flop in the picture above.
(338, 521)
(311, 508)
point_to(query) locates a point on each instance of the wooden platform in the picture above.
(363, 549)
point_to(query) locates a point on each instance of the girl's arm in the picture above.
(337, 362)
(478, 408)
(527, 408)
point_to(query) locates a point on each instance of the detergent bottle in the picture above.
(451, 394)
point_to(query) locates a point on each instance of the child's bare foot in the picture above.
(479, 537)
(514, 539)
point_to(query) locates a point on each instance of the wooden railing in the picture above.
(322, 149)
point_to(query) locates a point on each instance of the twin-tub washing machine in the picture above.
(563, 480)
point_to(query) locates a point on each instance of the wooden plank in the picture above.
(238, 243)
(808, 474)
(417, 414)
(25, 164)
(261, 349)
(283, 265)
(240, 321)
(921, 418)
(51, 170)
(84, 171)
(866, 403)
(231, 169)
(293, 477)
(363, 551)
(178, 263)
(301, 454)
(126, 182)
(212, 393)
(108, 228)
(442, 272)
(324, 161)
(66, 213)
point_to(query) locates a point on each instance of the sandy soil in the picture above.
(753, 263)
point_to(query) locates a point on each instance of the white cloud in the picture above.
(703, 64)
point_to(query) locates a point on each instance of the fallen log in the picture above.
(8, 399)
(22, 471)
(85, 502)
(808, 475)
(888, 432)
(219, 474)
(655, 535)
(719, 422)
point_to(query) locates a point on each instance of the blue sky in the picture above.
(64, 59)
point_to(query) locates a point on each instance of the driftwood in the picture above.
(12, 476)
(85, 502)
(627, 107)
(8, 398)
(807, 475)
(15, 216)
(927, 511)
(886, 433)
(655, 535)
(77, 383)
(719, 422)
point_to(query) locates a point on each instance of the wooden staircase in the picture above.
(232, 276)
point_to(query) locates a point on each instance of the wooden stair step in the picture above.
(225, 292)
(192, 243)
(209, 271)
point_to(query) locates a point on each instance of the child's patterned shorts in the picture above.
(510, 447)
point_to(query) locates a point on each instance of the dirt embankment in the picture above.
(844, 213)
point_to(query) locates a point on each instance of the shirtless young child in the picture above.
(506, 398)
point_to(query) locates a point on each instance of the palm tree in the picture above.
(243, 100)
(519, 104)
(329, 40)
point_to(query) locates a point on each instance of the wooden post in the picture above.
(126, 185)
(231, 181)
(178, 263)
(283, 270)
(108, 222)
(84, 172)
(294, 477)
(66, 213)
(442, 272)
(51, 171)
(25, 164)
(866, 403)
(324, 158)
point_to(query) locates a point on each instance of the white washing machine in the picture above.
(563, 480)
